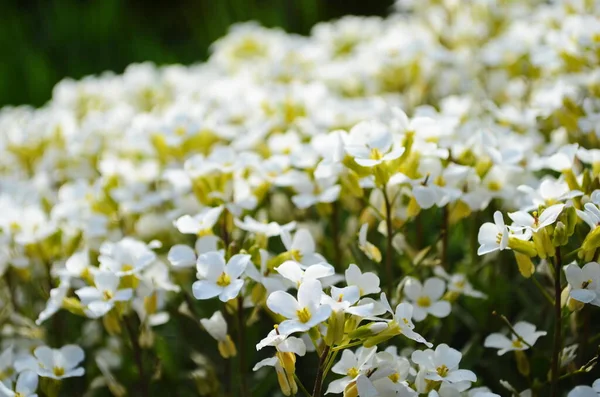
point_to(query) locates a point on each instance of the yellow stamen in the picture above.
(424, 301)
(224, 280)
(303, 315)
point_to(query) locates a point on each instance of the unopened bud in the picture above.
(559, 236)
(524, 247)
(526, 267)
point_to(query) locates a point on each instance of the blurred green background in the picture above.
(44, 41)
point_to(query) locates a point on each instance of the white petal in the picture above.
(434, 288)
(181, 256)
(205, 289)
(290, 270)
(283, 303)
(309, 293)
(231, 291)
(236, 265)
(440, 309)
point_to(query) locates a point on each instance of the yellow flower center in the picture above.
(303, 315)
(376, 154)
(58, 371)
(107, 295)
(517, 344)
(442, 371)
(395, 377)
(224, 280)
(126, 268)
(296, 255)
(352, 372)
(424, 301)
(585, 284)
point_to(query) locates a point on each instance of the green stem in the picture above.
(301, 386)
(320, 372)
(557, 324)
(542, 290)
(389, 248)
(335, 219)
(137, 355)
(242, 347)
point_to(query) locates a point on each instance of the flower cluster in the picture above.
(321, 207)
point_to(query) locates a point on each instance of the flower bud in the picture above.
(351, 390)
(368, 330)
(525, 264)
(227, 348)
(335, 328)
(559, 236)
(524, 247)
(522, 363)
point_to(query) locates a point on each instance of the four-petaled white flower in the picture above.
(367, 282)
(586, 391)
(27, 383)
(125, 257)
(425, 298)
(101, 298)
(219, 278)
(199, 224)
(351, 365)
(371, 143)
(522, 219)
(442, 365)
(303, 313)
(584, 282)
(292, 271)
(527, 336)
(493, 236)
(54, 363)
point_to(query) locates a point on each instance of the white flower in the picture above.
(458, 283)
(351, 365)
(322, 190)
(442, 365)
(270, 280)
(426, 298)
(54, 304)
(183, 256)
(343, 299)
(367, 283)
(302, 314)
(402, 318)
(527, 336)
(584, 282)
(586, 391)
(216, 326)
(270, 229)
(302, 247)
(126, 257)
(534, 223)
(590, 215)
(219, 278)
(292, 271)
(201, 223)
(54, 363)
(98, 300)
(283, 343)
(371, 143)
(493, 236)
(371, 251)
(27, 383)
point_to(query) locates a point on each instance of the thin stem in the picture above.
(242, 344)
(445, 221)
(330, 363)
(557, 324)
(389, 248)
(513, 331)
(301, 386)
(320, 372)
(342, 347)
(137, 355)
(542, 290)
(335, 219)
